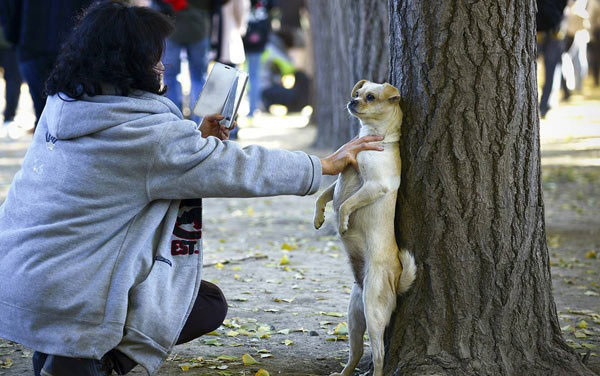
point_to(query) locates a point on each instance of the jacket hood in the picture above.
(69, 118)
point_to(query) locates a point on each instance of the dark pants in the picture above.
(551, 47)
(594, 55)
(36, 72)
(8, 61)
(208, 313)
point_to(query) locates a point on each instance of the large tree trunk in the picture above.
(470, 204)
(351, 43)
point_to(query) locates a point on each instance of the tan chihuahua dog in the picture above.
(364, 202)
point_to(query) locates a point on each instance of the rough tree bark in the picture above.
(470, 204)
(351, 43)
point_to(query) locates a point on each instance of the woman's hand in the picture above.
(345, 155)
(210, 127)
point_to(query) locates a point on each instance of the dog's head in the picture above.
(375, 103)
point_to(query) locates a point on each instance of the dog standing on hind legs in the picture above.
(364, 202)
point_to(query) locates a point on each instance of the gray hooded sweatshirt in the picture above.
(99, 246)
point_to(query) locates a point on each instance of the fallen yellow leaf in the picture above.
(332, 314)
(6, 363)
(248, 360)
(580, 334)
(285, 260)
(262, 372)
(288, 247)
(341, 329)
(227, 358)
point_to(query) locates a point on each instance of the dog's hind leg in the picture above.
(323, 199)
(356, 330)
(379, 302)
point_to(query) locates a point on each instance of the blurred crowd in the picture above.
(266, 38)
(569, 45)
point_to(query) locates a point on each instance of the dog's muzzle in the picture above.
(352, 106)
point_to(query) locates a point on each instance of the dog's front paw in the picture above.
(319, 218)
(343, 228)
(343, 224)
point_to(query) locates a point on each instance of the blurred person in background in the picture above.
(234, 21)
(574, 60)
(291, 23)
(12, 78)
(38, 28)
(255, 40)
(295, 28)
(294, 98)
(551, 46)
(287, 84)
(594, 45)
(233, 24)
(192, 32)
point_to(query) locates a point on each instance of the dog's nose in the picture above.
(353, 103)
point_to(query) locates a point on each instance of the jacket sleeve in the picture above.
(186, 165)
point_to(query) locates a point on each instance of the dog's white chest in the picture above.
(380, 167)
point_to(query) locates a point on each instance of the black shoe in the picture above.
(63, 366)
(107, 365)
(38, 362)
(119, 362)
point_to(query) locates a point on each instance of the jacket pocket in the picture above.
(159, 304)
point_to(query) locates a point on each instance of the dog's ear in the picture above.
(391, 93)
(358, 85)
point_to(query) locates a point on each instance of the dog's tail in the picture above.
(409, 271)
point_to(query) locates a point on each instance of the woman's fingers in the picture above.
(346, 154)
(371, 146)
(225, 135)
(224, 132)
(367, 143)
(214, 117)
(365, 139)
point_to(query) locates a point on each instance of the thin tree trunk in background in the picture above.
(323, 41)
(470, 204)
(351, 43)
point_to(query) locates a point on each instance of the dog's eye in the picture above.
(370, 97)
(356, 95)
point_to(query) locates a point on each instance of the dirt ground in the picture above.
(288, 285)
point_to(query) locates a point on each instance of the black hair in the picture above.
(114, 44)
